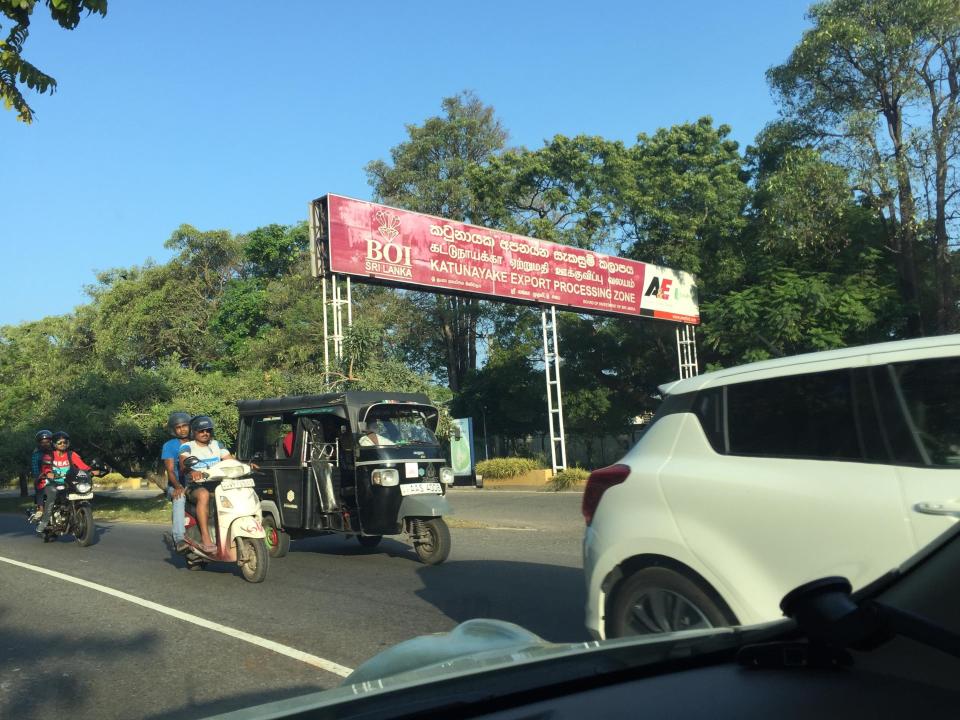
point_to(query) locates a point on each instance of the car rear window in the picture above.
(802, 416)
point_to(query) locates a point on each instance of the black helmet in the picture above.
(61, 435)
(44, 435)
(177, 418)
(201, 422)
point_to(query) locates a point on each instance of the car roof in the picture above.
(864, 355)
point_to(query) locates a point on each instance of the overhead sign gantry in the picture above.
(369, 242)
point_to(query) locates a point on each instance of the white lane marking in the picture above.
(276, 647)
(498, 491)
(506, 527)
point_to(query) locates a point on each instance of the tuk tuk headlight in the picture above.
(446, 475)
(385, 478)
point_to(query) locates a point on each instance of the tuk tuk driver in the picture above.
(380, 433)
(209, 452)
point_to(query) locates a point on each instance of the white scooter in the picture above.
(235, 521)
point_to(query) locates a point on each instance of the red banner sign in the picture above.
(405, 248)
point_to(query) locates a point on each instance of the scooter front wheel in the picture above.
(253, 559)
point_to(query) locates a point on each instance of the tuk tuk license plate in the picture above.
(420, 489)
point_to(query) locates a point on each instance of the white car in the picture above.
(753, 480)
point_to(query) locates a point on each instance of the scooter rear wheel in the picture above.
(253, 559)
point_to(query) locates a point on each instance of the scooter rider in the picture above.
(209, 452)
(62, 461)
(41, 456)
(178, 423)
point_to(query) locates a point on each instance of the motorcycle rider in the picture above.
(209, 452)
(178, 424)
(61, 461)
(40, 457)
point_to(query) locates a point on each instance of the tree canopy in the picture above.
(837, 226)
(15, 71)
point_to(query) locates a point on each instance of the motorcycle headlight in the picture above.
(446, 475)
(84, 486)
(385, 478)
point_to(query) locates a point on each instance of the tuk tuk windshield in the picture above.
(393, 425)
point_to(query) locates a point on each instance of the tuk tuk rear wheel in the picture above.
(278, 542)
(433, 545)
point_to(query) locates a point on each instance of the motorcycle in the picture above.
(72, 513)
(235, 521)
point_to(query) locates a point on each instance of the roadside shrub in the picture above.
(508, 467)
(568, 478)
(113, 478)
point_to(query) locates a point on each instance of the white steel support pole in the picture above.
(546, 370)
(336, 318)
(326, 331)
(551, 369)
(693, 348)
(679, 330)
(687, 351)
(556, 375)
(349, 305)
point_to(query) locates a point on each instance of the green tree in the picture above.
(681, 198)
(15, 71)
(814, 276)
(561, 192)
(875, 83)
(430, 173)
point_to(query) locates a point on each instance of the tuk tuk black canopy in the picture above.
(354, 401)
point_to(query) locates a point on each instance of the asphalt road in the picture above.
(72, 648)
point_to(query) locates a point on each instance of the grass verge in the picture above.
(155, 509)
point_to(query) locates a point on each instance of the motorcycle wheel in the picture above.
(278, 542)
(253, 559)
(435, 547)
(84, 529)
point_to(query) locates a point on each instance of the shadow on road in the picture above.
(25, 529)
(343, 546)
(545, 599)
(45, 674)
(234, 702)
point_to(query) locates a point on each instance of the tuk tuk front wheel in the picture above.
(278, 542)
(431, 540)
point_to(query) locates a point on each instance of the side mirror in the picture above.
(190, 462)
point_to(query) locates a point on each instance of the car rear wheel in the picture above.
(656, 600)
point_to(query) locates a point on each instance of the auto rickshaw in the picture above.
(358, 463)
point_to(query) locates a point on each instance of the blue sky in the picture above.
(236, 114)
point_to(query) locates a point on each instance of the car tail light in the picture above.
(597, 484)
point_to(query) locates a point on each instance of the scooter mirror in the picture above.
(190, 462)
